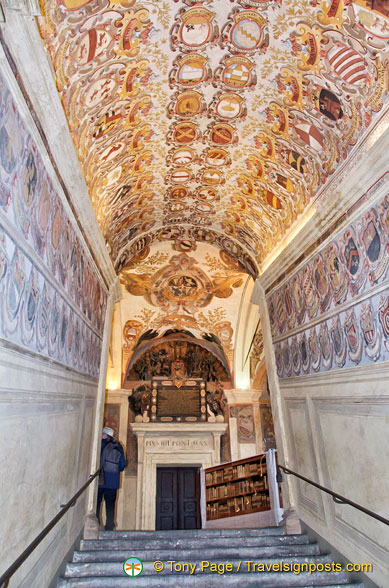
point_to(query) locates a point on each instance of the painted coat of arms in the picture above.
(287, 360)
(193, 29)
(339, 342)
(370, 332)
(322, 284)
(313, 344)
(355, 265)
(325, 346)
(298, 297)
(354, 338)
(245, 32)
(304, 354)
(373, 240)
(337, 274)
(235, 73)
(383, 315)
(310, 294)
(295, 355)
(279, 363)
(189, 71)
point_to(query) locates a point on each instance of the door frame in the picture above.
(200, 448)
(183, 466)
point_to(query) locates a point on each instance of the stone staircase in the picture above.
(99, 563)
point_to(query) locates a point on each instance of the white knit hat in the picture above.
(108, 431)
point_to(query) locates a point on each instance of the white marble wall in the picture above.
(46, 421)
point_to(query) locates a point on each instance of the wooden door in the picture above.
(178, 498)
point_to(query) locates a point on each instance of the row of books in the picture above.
(230, 473)
(234, 488)
(237, 505)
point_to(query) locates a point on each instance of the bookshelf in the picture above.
(237, 488)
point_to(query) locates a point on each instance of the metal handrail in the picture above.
(338, 498)
(23, 556)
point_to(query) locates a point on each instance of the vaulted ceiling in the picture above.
(214, 121)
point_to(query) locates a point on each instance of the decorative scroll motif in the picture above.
(181, 289)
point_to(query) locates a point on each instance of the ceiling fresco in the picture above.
(180, 294)
(213, 121)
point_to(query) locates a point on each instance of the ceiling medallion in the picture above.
(245, 32)
(227, 105)
(221, 134)
(193, 29)
(181, 286)
(184, 133)
(189, 71)
(186, 104)
(235, 72)
(181, 156)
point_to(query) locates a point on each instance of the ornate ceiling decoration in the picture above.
(196, 294)
(214, 121)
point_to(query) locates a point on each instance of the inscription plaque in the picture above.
(182, 402)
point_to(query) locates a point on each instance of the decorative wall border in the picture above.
(334, 311)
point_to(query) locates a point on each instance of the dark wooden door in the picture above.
(178, 498)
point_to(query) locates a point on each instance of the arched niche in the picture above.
(203, 359)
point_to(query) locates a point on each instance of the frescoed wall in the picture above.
(52, 298)
(333, 312)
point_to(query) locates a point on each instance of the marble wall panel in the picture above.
(304, 459)
(46, 418)
(355, 462)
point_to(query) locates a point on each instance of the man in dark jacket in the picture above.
(113, 462)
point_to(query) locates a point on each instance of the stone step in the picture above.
(214, 553)
(184, 543)
(77, 570)
(304, 580)
(192, 533)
